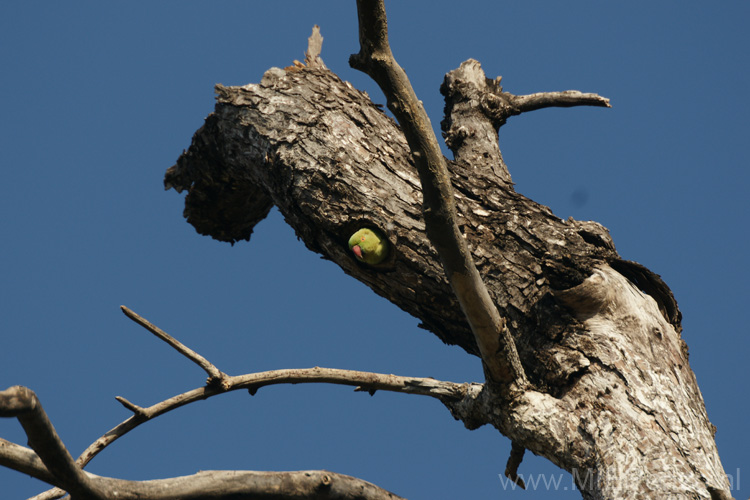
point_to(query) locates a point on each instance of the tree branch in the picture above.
(294, 485)
(457, 397)
(53, 464)
(449, 393)
(564, 99)
(476, 107)
(208, 484)
(375, 58)
(22, 403)
(446, 392)
(215, 376)
(24, 460)
(461, 399)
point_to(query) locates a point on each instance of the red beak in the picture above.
(357, 251)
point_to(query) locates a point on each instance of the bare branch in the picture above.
(213, 484)
(249, 484)
(492, 336)
(565, 99)
(218, 485)
(367, 381)
(24, 460)
(57, 467)
(215, 376)
(22, 403)
(460, 399)
(476, 107)
(262, 485)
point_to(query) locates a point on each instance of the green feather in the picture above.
(369, 246)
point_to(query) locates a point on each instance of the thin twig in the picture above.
(130, 406)
(493, 338)
(214, 374)
(456, 397)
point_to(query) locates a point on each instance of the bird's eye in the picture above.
(362, 238)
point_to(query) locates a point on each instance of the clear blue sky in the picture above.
(99, 98)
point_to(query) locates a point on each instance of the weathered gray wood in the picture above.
(613, 399)
(51, 462)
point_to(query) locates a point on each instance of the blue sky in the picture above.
(99, 98)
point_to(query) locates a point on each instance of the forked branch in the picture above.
(375, 58)
(58, 468)
(476, 107)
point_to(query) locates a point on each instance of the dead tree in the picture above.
(583, 359)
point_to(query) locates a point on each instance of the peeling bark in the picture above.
(613, 398)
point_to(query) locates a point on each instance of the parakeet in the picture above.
(369, 246)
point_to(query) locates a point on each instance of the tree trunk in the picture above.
(614, 400)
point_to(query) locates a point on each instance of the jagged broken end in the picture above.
(223, 206)
(219, 203)
(314, 46)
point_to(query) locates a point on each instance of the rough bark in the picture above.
(612, 400)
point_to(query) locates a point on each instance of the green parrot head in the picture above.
(369, 246)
